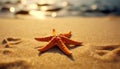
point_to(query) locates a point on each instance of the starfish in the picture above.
(60, 40)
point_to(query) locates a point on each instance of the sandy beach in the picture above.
(100, 37)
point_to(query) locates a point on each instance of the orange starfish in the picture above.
(60, 40)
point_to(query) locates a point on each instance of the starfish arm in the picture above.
(63, 47)
(44, 39)
(68, 41)
(48, 46)
(68, 35)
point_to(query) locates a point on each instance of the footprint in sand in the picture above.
(8, 42)
(16, 64)
(110, 52)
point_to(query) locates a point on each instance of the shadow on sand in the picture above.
(55, 49)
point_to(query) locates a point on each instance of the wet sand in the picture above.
(100, 37)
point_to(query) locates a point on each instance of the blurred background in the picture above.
(58, 8)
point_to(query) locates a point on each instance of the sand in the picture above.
(100, 37)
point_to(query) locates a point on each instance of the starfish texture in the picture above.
(60, 40)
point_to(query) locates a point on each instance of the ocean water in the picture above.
(75, 7)
(75, 2)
